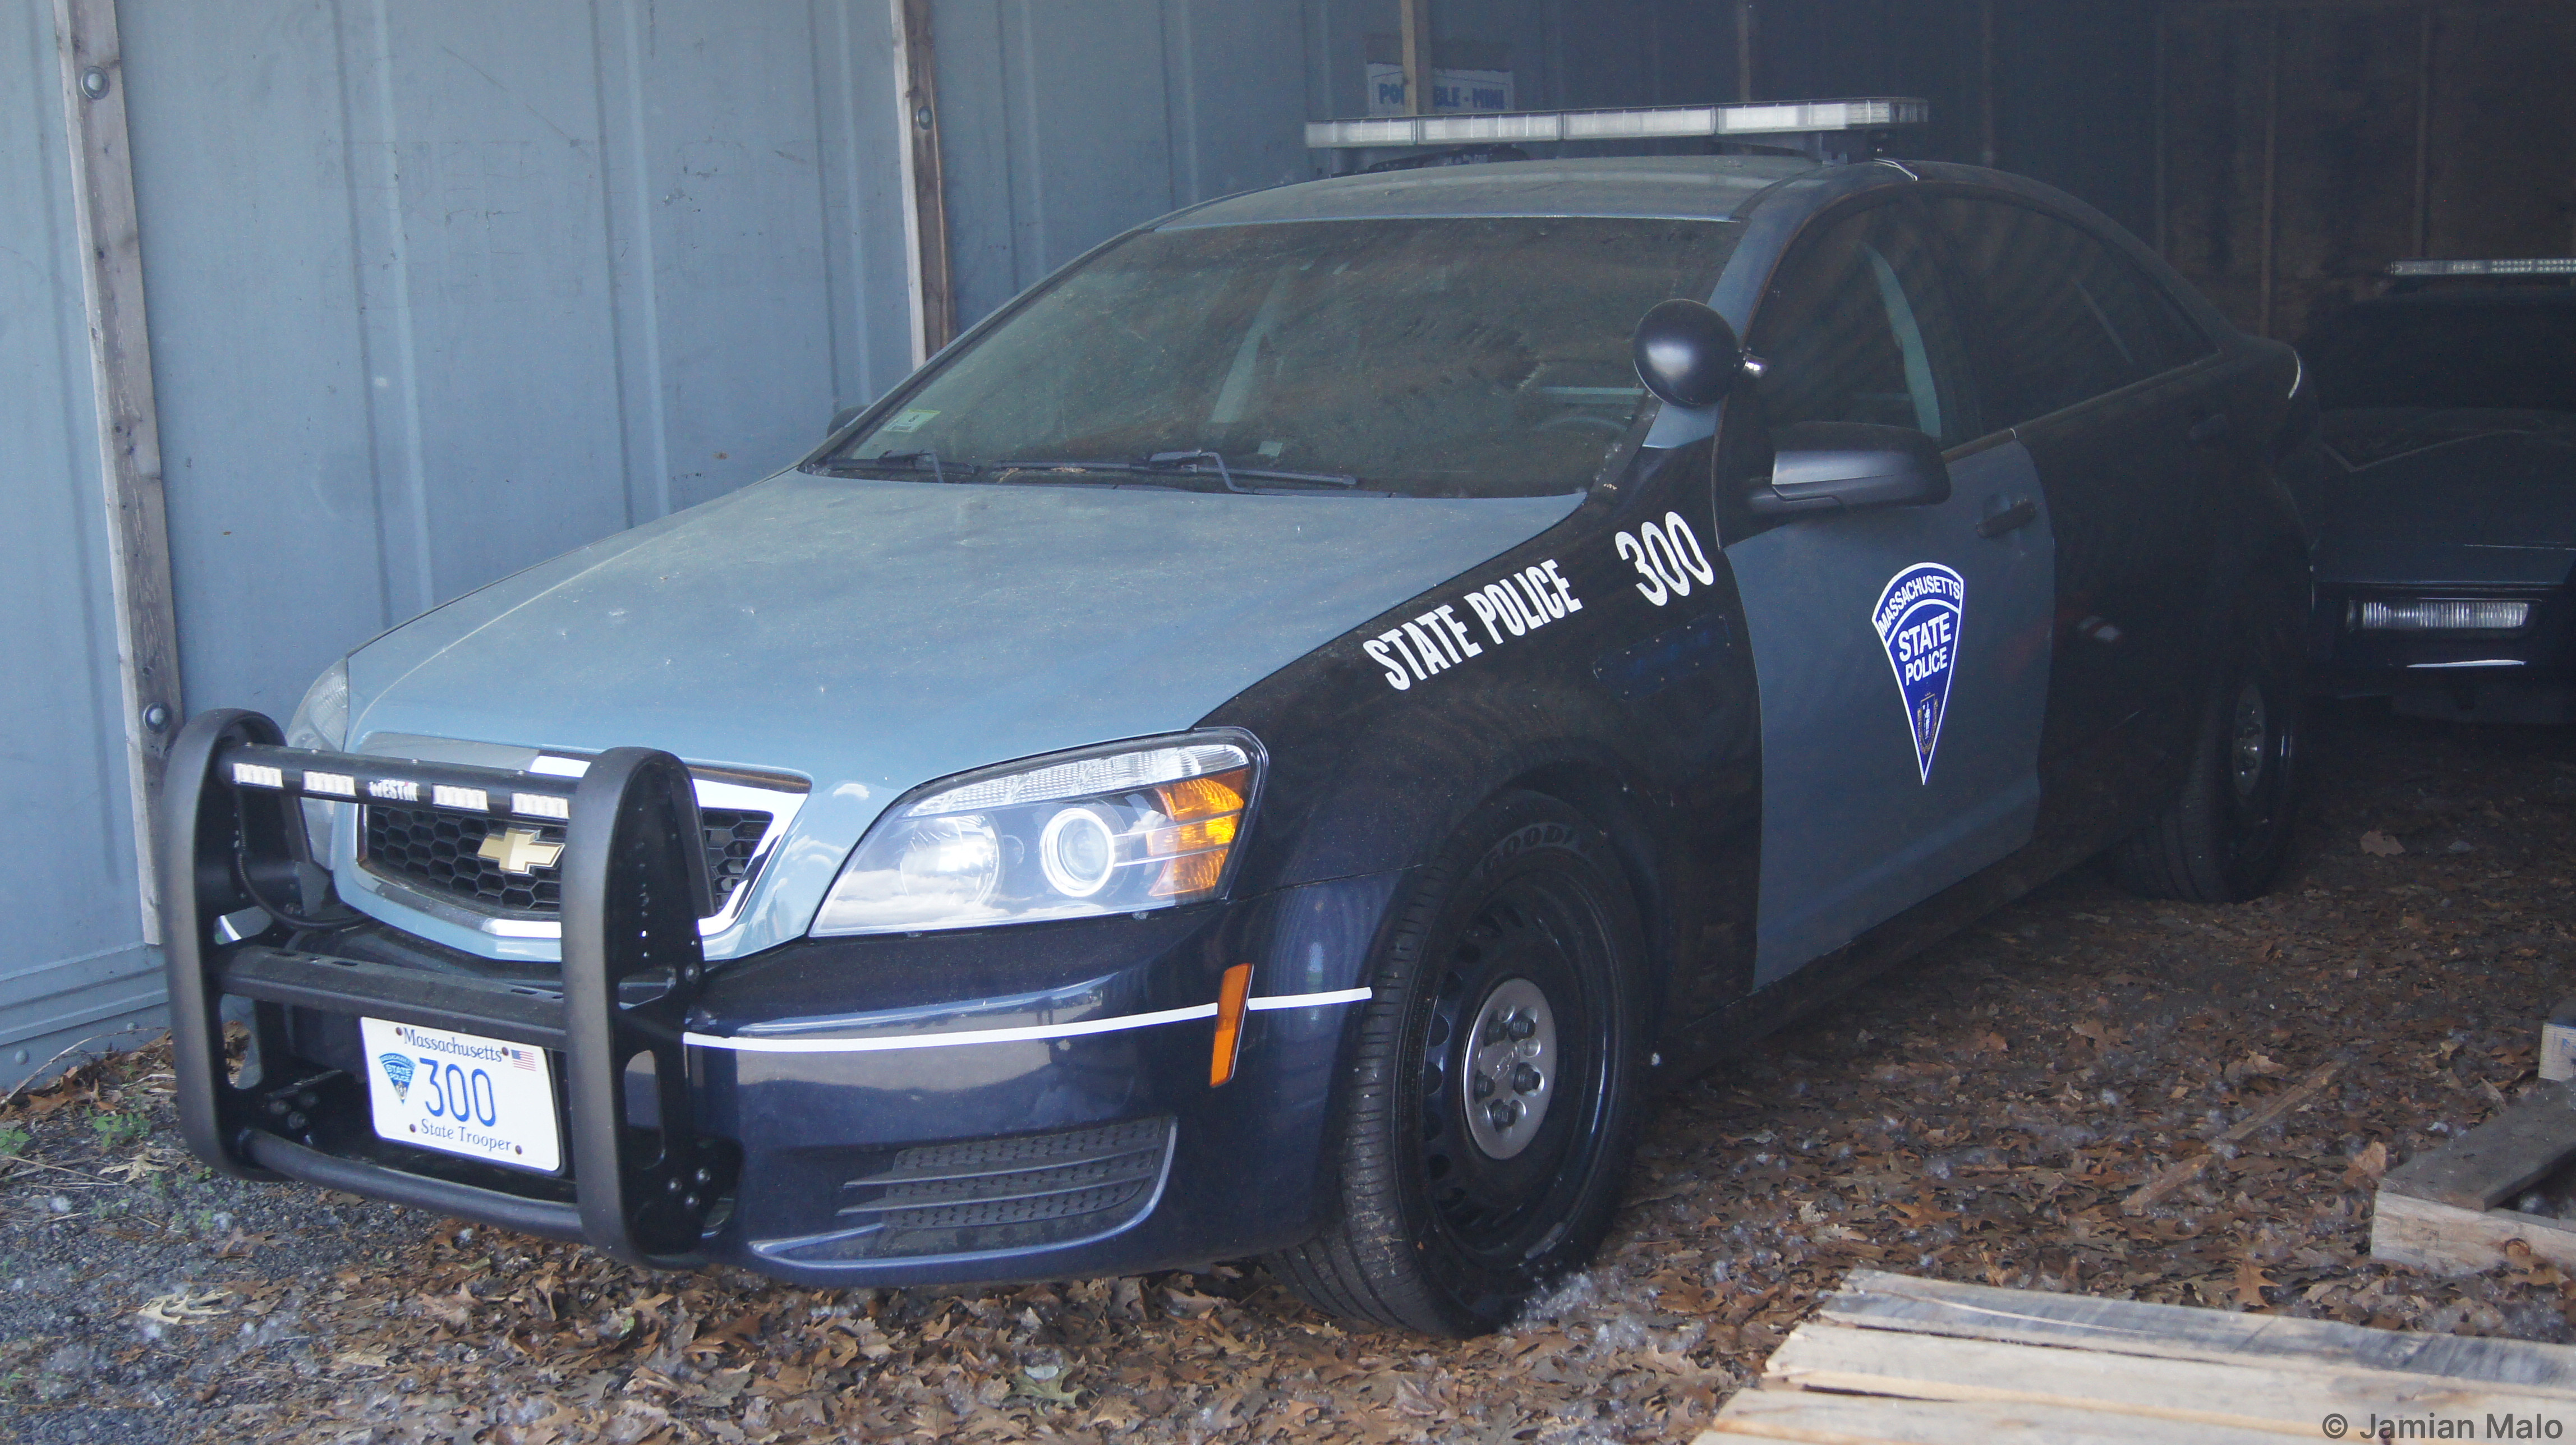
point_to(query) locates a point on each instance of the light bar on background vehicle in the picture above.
(2527, 266)
(1805, 117)
(2437, 614)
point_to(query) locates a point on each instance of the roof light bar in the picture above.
(1806, 117)
(2528, 266)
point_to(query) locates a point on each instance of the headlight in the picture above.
(1119, 829)
(322, 721)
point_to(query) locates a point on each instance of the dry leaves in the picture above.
(1983, 1115)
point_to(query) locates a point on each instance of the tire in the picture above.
(1516, 959)
(2224, 836)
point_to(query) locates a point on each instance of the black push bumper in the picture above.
(642, 1185)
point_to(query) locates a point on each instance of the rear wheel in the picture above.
(2224, 837)
(1493, 1099)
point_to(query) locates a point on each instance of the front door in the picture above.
(1903, 652)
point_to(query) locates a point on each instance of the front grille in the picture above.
(982, 1196)
(439, 853)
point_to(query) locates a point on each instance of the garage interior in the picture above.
(437, 292)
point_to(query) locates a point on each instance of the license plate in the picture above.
(486, 1099)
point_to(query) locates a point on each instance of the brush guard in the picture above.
(634, 885)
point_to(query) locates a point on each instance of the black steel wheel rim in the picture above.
(1540, 931)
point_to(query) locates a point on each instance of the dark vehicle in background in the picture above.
(2444, 509)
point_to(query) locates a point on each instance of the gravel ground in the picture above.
(1980, 1115)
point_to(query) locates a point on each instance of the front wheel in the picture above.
(2225, 835)
(1493, 1098)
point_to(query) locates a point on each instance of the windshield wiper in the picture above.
(921, 461)
(1184, 463)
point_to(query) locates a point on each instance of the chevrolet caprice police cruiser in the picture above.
(1275, 743)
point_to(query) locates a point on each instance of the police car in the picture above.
(2444, 511)
(1276, 743)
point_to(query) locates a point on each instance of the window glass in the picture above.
(1858, 328)
(1449, 357)
(2072, 318)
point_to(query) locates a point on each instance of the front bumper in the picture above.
(1031, 1101)
(2524, 675)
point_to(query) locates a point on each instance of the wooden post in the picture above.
(1986, 147)
(2271, 167)
(1744, 35)
(1417, 56)
(129, 434)
(2424, 134)
(925, 196)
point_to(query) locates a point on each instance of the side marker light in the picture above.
(1229, 1023)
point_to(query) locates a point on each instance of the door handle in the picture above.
(2005, 519)
(2211, 428)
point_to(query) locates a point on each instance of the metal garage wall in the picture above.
(74, 963)
(437, 291)
(1065, 123)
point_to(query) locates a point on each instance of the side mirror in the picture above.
(844, 417)
(1838, 466)
(1688, 355)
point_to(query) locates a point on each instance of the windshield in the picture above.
(2504, 354)
(1437, 358)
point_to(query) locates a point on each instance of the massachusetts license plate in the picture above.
(486, 1099)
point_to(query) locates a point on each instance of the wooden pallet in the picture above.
(2447, 1211)
(1892, 1359)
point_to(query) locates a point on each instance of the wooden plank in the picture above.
(930, 286)
(2283, 1398)
(2174, 1176)
(1872, 1299)
(1822, 1419)
(2496, 1160)
(129, 430)
(2446, 1239)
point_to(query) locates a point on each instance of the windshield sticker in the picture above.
(1440, 639)
(1918, 617)
(911, 418)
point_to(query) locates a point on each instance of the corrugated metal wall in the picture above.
(438, 290)
(73, 962)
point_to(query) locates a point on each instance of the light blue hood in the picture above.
(875, 635)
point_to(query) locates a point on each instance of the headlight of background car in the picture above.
(1118, 829)
(322, 721)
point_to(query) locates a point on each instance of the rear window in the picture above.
(1449, 358)
(2510, 355)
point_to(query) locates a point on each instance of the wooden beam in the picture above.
(929, 285)
(2496, 1160)
(129, 433)
(1417, 55)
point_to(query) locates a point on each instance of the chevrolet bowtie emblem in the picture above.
(518, 851)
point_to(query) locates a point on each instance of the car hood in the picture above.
(875, 635)
(2456, 498)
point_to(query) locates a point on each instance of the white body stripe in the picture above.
(882, 1043)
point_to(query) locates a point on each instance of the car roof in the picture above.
(1653, 187)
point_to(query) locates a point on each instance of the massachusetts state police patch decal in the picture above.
(1918, 617)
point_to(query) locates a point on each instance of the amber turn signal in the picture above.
(1230, 999)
